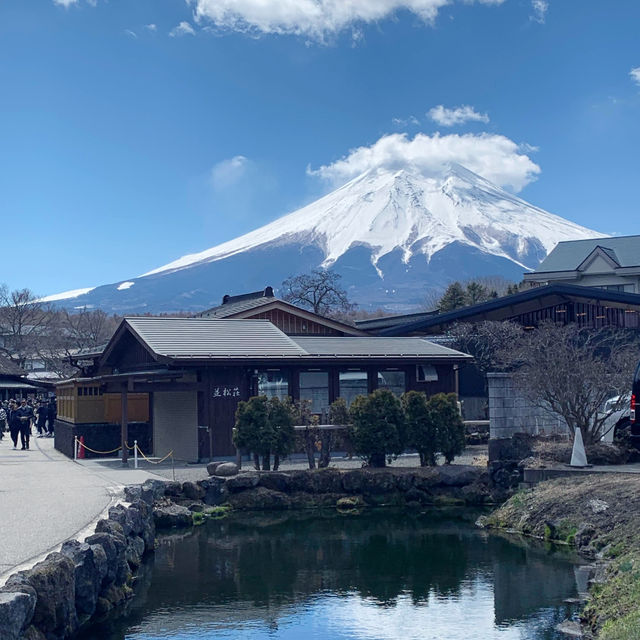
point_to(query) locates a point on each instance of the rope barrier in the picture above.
(104, 453)
(152, 461)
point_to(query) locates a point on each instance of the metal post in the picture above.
(75, 448)
(124, 426)
(135, 454)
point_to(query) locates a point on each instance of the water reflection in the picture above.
(379, 575)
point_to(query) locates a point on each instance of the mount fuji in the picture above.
(394, 236)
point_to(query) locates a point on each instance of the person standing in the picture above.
(3, 421)
(52, 413)
(14, 423)
(41, 423)
(25, 417)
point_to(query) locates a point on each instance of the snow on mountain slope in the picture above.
(421, 215)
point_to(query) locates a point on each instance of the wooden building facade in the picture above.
(184, 377)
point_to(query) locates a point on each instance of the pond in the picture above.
(377, 575)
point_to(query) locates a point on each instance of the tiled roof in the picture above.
(203, 338)
(232, 308)
(376, 347)
(213, 338)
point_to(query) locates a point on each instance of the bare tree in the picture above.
(24, 324)
(572, 372)
(485, 341)
(320, 291)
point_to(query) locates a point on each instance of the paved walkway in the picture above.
(45, 499)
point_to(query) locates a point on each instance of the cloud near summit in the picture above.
(315, 19)
(494, 157)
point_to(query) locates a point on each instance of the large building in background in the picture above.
(606, 263)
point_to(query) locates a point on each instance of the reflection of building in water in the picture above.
(255, 570)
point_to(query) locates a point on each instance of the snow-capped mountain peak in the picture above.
(418, 214)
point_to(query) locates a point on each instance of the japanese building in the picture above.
(177, 381)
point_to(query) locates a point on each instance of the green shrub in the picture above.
(377, 426)
(422, 434)
(264, 426)
(448, 424)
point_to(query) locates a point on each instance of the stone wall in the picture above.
(276, 490)
(83, 580)
(510, 412)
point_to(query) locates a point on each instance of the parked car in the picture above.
(620, 418)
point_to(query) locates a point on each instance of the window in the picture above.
(392, 380)
(314, 386)
(426, 373)
(353, 384)
(273, 384)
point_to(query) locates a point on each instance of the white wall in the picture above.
(175, 424)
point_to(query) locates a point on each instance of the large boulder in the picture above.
(192, 491)
(226, 469)
(215, 490)
(212, 466)
(152, 490)
(16, 611)
(317, 481)
(276, 480)
(114, 547)
(147, 525)
(243, 481)
(54, 582)
(260, 498)
(458, 475)
(378, 482)
(88, 576)
(173, 515)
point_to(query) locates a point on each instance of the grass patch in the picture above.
(616, 601)
(198, 518)
(217, 512)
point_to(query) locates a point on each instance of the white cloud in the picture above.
(315, 19)
(183, 29)
(130, 33)
(151, 27)
(495, 157)
(635, 75)
(227, 172)
(67, 3)
(540, 8)
(458, 115)
(405, 122)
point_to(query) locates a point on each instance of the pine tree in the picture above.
(422, 434)
(454, 298)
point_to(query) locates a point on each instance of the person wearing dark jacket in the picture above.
(41, 423)
(52, 413)
(14, 423)
(25, 416)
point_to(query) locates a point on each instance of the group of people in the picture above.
(19, 417)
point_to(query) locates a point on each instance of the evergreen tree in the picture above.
(476, 293)
(454, 298)
(377, 426)
(422, 434)
(448, 424)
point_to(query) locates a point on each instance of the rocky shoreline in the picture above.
(599, 515)
(85, 579)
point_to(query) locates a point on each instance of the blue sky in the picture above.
(135, 131)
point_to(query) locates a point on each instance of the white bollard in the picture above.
(75, 448)
(135, 454)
